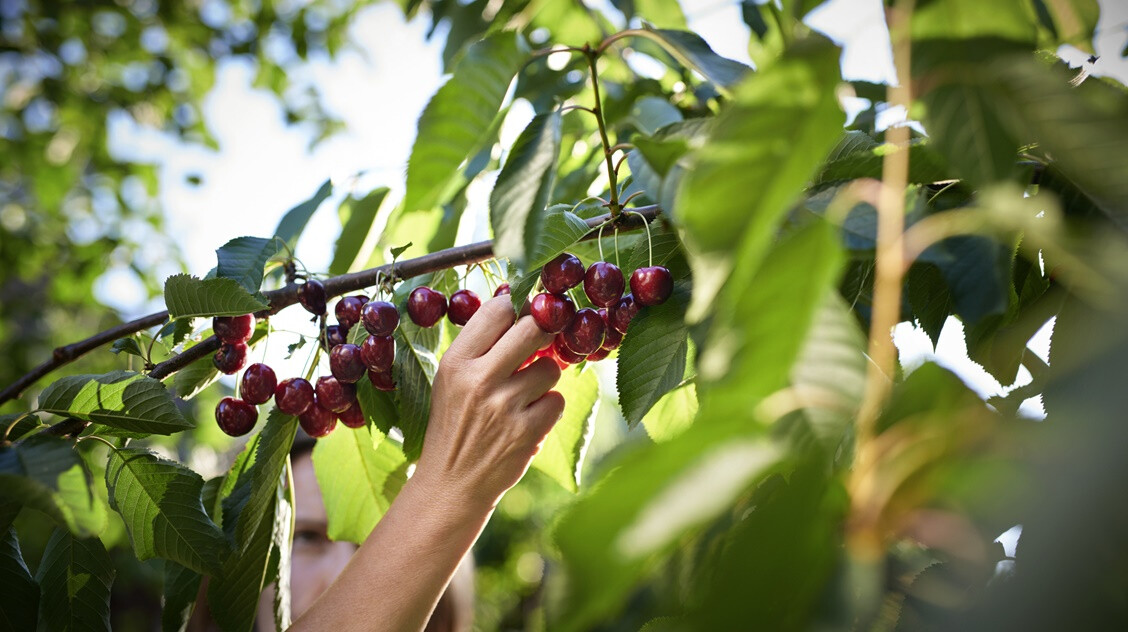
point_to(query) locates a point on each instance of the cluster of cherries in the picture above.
(592, 334)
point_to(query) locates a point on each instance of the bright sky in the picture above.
(264, 167)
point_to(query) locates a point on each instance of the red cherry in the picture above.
(612, 337)
(380, 318)
(463, 304)
(345, 363)
(382, 380)
(235, 416)
(620, 314)
(317, 421)
(652, 286)
(348, 311)
(551, 312)
(258, 384)
(312, 297)
(604, 283)
(334, 394)
(426, 306)
(353, 417)
(562, 273)
(378, 353)
(230, 357)
(550, 353)
(336, 335)
(502, 289)
(600, 354)
(233, 328)
(563, 353)
(293, 396)
(585, 333)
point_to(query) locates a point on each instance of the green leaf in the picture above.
(518, 199)
(750, 11)
(265, 475)
(929, 298)
(977, 270)
(19, 600)
(653, 355)
(673, 414)
(458, 118)
(233, 594)
(74, 577)
(178, 329)
(357, 216)
(159, 501)
(561, 455)
(359, 472)
(280, 567)
(294, 221)
(650, 114)
(966, 19)
(179, 597)
(194, 378)
(120, 399)
(858, 155)
(17, 425)
(127, 345)
(185, 295)
(967, 127)
(560, 229)
(44, 472)
(242, 260)
(414, 370)
(379, 407)
(659, 162)
(692, 51)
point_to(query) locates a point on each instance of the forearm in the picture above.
(397, 576)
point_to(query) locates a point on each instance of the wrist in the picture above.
(450, 493)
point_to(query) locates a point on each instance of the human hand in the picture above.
(488, 419)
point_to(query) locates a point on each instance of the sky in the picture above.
(263, 166)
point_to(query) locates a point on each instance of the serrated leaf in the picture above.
(178, 329)
(521, 285)
(379, 407)
(977, 270)
(560, 228)
(659, 162)
(127, 345)
(653, 355)
(233, 594)
(689, 49)
(19, 600)
(294, 221)
(673, 414)
(399, 250)
(74, 577)
(561, 455)
(457, 120)
(265, 474)
(194, 378)
(858, 155)
(354, 229)
(521, 192)
(185, 295)
(178, 598)
(243, 259)
(659, 250)
(120, 399)
(359, 472)
(44, 472)
(159, 501)
(414, 369)
(929, 298)
(282, 537)
(967, 127)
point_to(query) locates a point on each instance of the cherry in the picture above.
(258, 384)
(336, 335)
(620, 314)
(233, 328)
(613, 337)
(378, 352)
(312, 297)
(562, 273)
(552, 312)
(353, 417)
(293, 396)
(604, 283)
(380, 318)
(652, 286)
(426, 306)
(550, 353)
(382, 380)
(235, 416)
(345, 363)
(334, 394)
(317, 421)
(563, 353)
(230, 357)
(463, 304)
(600, 354)
(502, 289)
(585, 333)
(348, 311)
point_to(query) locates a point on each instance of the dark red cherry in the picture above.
(348, 311)
(463, 304)
(552, 312)
(293, 396)
(563, 353)
(312, 297)
(600, 354)
(258, 384)
(378, 352)
(235, 416)
(345, 363)
(380, 318)
(426, 306)
(550, 353)
(335, 394)
(335, 335)
(652, 286)
(353, 416)
(233, 328)
(604, 283)
(621, 313)
(317, 421)
(230, 357)
(584, 335)
(612, 337)
(502, 289)
(562, 273)
(382, 380)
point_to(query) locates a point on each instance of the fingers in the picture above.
(516, 345)
(534, 381)
(488, 324)
(545, 412)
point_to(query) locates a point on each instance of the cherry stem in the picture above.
(617, 263)
(97, 438)
(15, 421)
(649, 243)
(567, 108)
(599, 240)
